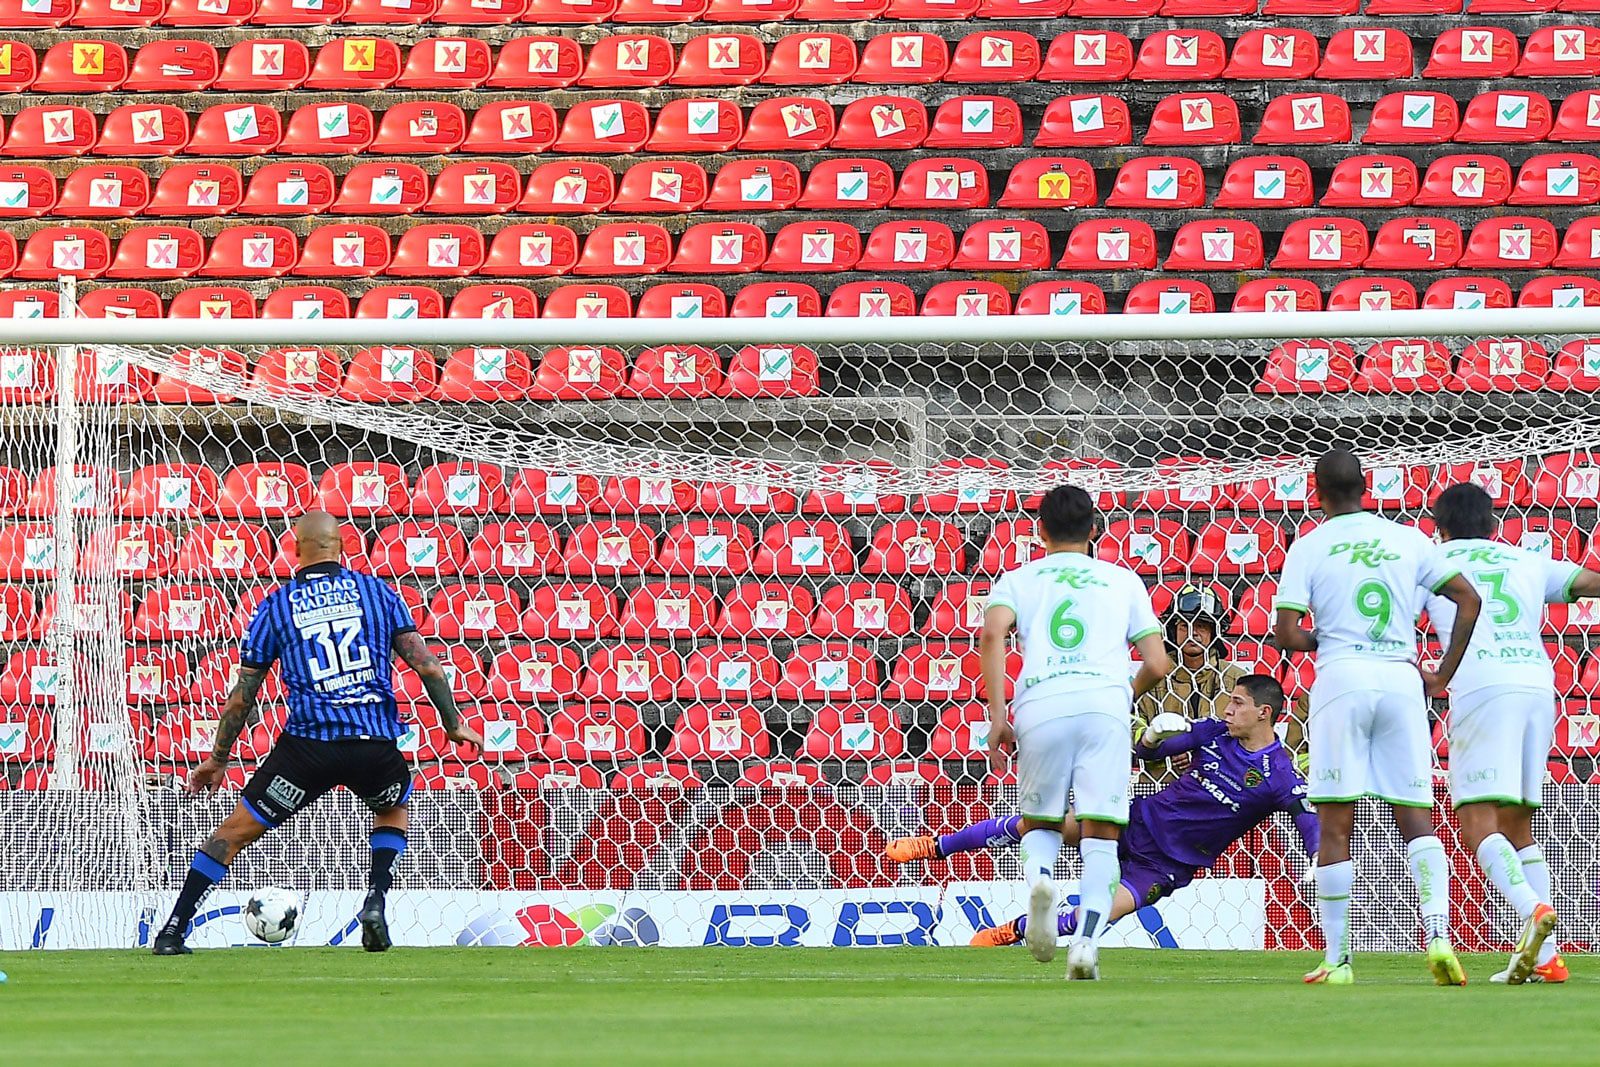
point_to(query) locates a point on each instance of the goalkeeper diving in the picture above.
(1240, 776)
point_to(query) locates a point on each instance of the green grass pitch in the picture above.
(769, 1007)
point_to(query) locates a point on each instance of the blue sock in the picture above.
(387, 845)
(985, 834)
(204, 872)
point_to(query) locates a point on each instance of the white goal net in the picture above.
(709, 590)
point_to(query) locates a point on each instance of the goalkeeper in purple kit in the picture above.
(1241, 775)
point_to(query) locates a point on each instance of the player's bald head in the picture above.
(1339, 478)
(316, 538)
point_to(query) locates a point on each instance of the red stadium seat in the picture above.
(811, 59)
(628, 61)
(1111, 244)
(1322, 243)
(114, 191)
(707, 546)
(789, 124)
(903, 59)
(612, 548)
(1305, 118)
(853, 732)
(1273, 54)
(80, 251)
(354, 64)
(968, 299)
(976, 122)
(608, 126)
(1465, 181)
(400, 302)
(1309, 367)
(882, 122)
(1401, 366)
(1087, 56)
(1273, 295)
(329, 130)
(662, 187)
(1266, 182)
(475, 611)
(720, 59)
(772, 609)
(1372, 181)
(676, 610)
(730, 672)
(1159, 182)
(1564, 178)
(1061, 298)
(494, 302)
(720, 248)
(1050, 181)
(1180, 55)
(578, 373)
(845, 183)
(862, 609)
(1368, 54)
(45, 131)
(1220, 244)
(1416, 243)
(1480, 52)
(85, 66)
(1560, 52)
(1506, 118)
(564, 612)
(1577, 367)
(171, 490)
(417, 548)
(196, 189)
(1511, 242)
(157, 252)
(446, 63)
(653, 495)
(532, 673)
(637, 672)
(173, 66)
(236, 130)
(1507, 364)
(986, 57)
(1467, 292)
(754, 184)
(1180, 297)
(719, 732)
(26, 192)
(268, 65)
(595, 732)
(1413, 118)
(1194, 119)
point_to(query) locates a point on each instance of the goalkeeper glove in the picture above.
(1302, 764)
(1167, 724)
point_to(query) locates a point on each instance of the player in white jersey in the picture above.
(1362, 577)
(1502, 713)
(1070, 720)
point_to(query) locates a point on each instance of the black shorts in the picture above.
(299, 770)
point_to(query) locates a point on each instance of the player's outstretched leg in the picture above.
(1012, 932)
(1480, 831)
(986, 833)
(209, 866)
(388, 842)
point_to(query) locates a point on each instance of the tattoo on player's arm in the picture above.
(241, 702)
(410, 647)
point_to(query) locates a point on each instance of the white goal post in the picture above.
(712, 583)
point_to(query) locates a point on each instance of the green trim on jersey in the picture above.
(1142, 634)
(1280, 605)
(1566, 590)
(1446, 580)
(1403, 803)
(1101, 818)
(1337, 800)
(993, 603)
(1503, 801)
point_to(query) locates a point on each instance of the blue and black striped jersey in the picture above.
(333, 631)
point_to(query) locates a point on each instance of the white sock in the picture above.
(1537, 872)
(1431, 871)
(1039, 851)
(1333, 909)
(1098, 887)
(1499, 861)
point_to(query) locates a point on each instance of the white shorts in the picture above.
(1369, 734)
(1088, 755)
(1500, 740)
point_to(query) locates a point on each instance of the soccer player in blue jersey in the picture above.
(1240, 776)
(332, 631)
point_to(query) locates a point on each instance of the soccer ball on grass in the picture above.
(272, 915)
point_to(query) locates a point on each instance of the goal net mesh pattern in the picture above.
(713, 607)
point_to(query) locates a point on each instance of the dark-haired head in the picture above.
(1340, 483)
(1463, 511)
(1067, 516)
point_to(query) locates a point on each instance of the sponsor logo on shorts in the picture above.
(389, 797)
(1488, 774)
(284, 793)
(1329, 774)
